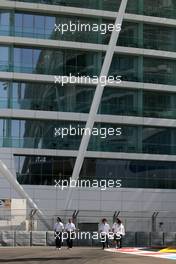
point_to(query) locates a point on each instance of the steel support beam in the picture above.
(5, 172)
(96, 100)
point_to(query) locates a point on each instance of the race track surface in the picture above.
(50, 255)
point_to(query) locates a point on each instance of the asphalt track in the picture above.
(83, 255)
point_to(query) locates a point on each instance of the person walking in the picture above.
(119, 231)
(58, 229)
(104, 231)
(70, 229)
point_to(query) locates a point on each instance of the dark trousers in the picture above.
(70, 240)
(58, 239)
(118, 240)
(106, 241)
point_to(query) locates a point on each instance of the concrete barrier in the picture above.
(129, 240)
(38, 238)
(50, 240)
(170, 239)
(7, 238)
(23, 238)
(42, 238)
(157, 239)
(142, 239)
(0, 238)
(84, 239)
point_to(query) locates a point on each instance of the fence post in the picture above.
(154, 216)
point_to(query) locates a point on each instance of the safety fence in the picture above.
(86, 220)
(131, 239)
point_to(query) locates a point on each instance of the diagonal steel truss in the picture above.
(4, 171)
(96, 101)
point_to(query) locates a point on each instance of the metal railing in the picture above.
(139, 221)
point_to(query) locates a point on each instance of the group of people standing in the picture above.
(58, 230)
(117, 231)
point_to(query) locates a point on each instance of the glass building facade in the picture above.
(42, 170)
(145, 7)
(143, 105)
(84, 63)
(139, 35)
(55, 97)
(40, 134)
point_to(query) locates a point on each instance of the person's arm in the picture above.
(100, 228)
(123, 230)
